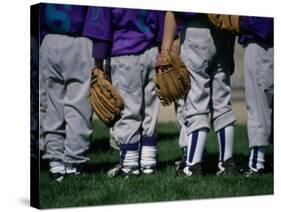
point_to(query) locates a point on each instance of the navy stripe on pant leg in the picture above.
(222, 143)
(255, 157)
(193, 146)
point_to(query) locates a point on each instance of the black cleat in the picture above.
(251, 172)
(119, 171)
(58, 177)
(227, 168)
(57, 170)
(188, 171)
(114, 171)
(125, 174)
(148, 170)
(75, 169)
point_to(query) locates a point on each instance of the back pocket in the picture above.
(126, 73)
(195, 48)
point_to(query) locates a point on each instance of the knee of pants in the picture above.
(223, 120)
(259, 132)
(127, 131)
(127, 128)
(197, 122)
(258, 143)
(150, 119)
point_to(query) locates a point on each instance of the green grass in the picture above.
(95, 188)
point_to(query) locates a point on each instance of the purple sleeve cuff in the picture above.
(101, 49)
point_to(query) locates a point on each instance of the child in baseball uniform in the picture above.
(208, 54)
(129, 37)
(256, 34)
(65, 64)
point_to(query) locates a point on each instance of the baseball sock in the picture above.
(148, 156)
(57, 167)
(129, 156)
(195, 146)
(148, 152)
(225, 140)
(257, 159)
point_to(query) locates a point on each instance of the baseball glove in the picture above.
(215, 19)
(231, 23)
(104, 98)
(172, 80)
(226, 22)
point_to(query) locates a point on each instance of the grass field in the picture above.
(95, 188)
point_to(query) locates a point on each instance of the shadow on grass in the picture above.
(99, 145)
(162, 137)
(210, 163)
(101, 167)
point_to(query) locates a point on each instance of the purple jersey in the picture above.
(127, 31)
(256, 29)
(62, 19)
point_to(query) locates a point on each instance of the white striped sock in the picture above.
(225, 139)
(131, 159)
(257, 158)
(148, 156)
(195, 147)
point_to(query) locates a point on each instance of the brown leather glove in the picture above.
(104, 98)
(172, 80)
(225, 22)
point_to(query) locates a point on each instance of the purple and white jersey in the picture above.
(126, 31)
(61, 19)
(259, 29)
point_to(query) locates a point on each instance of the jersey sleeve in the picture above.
(98, 23)
(260, 27)
(98, 27)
